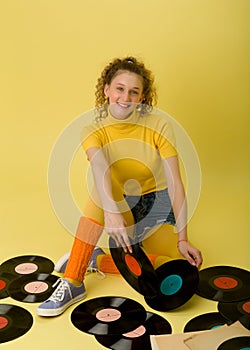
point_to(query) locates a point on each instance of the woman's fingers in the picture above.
(192, 254)
(121, 239)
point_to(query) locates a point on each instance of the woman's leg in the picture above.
(162, 240)
(87, 235)
(89, 230)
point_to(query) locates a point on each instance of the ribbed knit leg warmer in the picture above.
(87, 235)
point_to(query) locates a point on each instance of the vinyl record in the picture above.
(136, 268)
(237, 311)
(224, 283)
(14, 322)
(5, 279)
(178, 281)
(34, 288)
(237, 343)
(27, 264)
(139, 338)
(109, 315)
(208, 321)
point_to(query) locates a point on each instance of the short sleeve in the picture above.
(165, 140)
(90, 138)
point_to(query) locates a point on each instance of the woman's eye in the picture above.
(133, 92)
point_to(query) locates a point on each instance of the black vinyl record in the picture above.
(5, 279)
(139, 338)
(208, 321)
(136, 268)
(237, 343)
(108, 315)
(27, 264)
(34, 288)
(237, 311)
(178, 281)
(224, 283)
(14, 322)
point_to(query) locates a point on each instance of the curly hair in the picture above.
(130, 64)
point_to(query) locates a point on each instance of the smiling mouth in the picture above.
(124, 105)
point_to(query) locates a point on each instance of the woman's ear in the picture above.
(106, 90)
(141, 99)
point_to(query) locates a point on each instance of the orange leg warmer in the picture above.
(87, 235)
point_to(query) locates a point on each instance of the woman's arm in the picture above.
(179, 204)
(115, 224)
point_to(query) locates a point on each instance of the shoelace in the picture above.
(100, 275)
(59, 293)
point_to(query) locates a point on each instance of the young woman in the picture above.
(138, 187)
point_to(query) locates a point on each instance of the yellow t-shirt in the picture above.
(134, 149)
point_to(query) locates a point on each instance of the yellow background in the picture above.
(52, 52)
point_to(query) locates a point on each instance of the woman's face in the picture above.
(124, 92)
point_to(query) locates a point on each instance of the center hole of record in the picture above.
(26, 268)
(36, 287)
(108, 315)
(3, 322)
(138, 332)
(246, 307)
(171, 285)
(133, 265)
(2, 284)
(224, 282)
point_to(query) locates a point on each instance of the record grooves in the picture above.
(27, 264)
(136, 268)
(14, 322)
(207, 321)
(110, 315)
(237, 311)
(139, 338)
(178, 281)
(32, 288)
(224, 283)
(5, 279)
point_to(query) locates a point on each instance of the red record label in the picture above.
(246, 307)
(225, 282)
(3, 322)
(2, 284)
(133, 265)
(136, 268)
(14, 322)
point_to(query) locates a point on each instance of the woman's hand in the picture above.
(192, 254)
(115, 226)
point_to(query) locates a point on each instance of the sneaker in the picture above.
(61, 264)
(92, 267)
(63, 296)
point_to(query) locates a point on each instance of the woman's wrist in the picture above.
(181, 241)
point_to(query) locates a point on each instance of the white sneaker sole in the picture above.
(59, 264)
(59, 311)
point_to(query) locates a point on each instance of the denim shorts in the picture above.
(150, 210)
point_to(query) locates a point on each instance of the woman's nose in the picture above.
(125, 96)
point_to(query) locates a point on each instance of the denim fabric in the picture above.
(149, 210)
